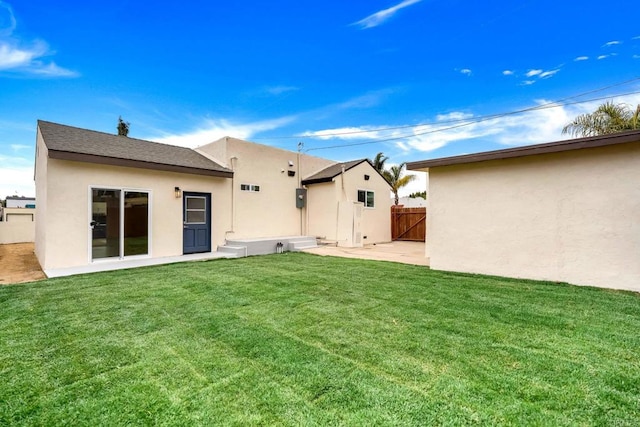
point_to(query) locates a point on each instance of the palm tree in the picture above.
(608, 118)
(378, 161)
(396, 180)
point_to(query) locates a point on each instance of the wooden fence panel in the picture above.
(408, 223)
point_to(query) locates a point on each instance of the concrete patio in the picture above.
(397, 251)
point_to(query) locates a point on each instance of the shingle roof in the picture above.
(71, 143)
(327, 174)
(530, 150)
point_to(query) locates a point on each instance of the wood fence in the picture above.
(408, 223)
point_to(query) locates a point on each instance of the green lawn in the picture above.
(298, 339)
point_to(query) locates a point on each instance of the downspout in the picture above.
(300, 145)
(232, 162)
(342, 182)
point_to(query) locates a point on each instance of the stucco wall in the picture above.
(66, 232)
(17, 232)
(17, 225)
(571, 217)
(324, 198)
(40, 174)
(322, 203)
(271, 211)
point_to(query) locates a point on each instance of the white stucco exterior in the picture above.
(63, 215)
(571, 216)
(259, 201)
(328, 221)
(271, 211)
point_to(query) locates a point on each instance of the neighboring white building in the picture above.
(567, 211)
(413, 202)
(20, 202)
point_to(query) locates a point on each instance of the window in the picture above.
(195, 210)
(249, 187)
(119, 223)
(366, 197)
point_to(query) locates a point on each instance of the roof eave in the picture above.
(530, 150)
(317, 181)
(113, 161)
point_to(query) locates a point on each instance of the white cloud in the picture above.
(25, 58)
(547, 74)
(466, 71)
(454, 115)
(507, 73)
(14, 57)
(212, 130)
(538, 74)
(581, 58)
(19, 147)
(278, 90)
(380, 17)
(603, 57)
(7, 20)
(636, 56)
(539, 125)
(611, 43)
(367, 100)
(635, 38)
(16, 176)
(346, 133)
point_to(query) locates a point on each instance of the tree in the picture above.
(378, 162)
(396, 180)
(417, 194)
(123, 127)
(608, 118)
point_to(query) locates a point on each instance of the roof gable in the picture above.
(83, 145)
(329, 173)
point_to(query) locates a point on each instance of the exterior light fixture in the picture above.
(177, 192)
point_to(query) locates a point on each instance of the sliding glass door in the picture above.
(119, 223)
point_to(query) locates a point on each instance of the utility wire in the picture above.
(559, 102)
(477, 120)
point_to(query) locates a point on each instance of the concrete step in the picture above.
(237, 251)
(269, 245)
(302, 244)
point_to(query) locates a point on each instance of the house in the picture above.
(105, 197)
(565, 211)
(348, 203)
(110, 198)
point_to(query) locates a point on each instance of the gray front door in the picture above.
(196, 235)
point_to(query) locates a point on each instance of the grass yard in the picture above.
(298, 339)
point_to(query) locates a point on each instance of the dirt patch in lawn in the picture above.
(18, 264)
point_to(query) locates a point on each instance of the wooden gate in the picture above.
(408, 223)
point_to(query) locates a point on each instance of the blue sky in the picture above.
(409, 78)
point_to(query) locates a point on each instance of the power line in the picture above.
(497, 115)
(479, 119)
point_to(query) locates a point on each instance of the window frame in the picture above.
(365, 202)
(250, 188)
(187, 209)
